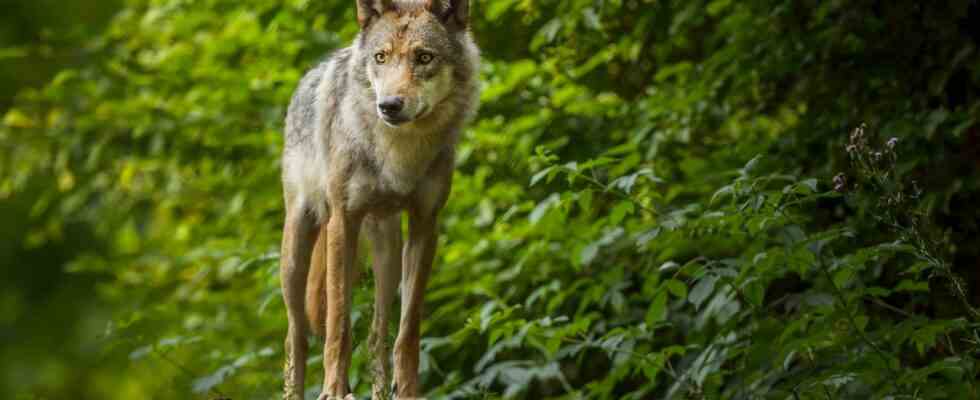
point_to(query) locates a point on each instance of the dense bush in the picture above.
(645, 208)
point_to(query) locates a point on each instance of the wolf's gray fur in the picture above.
(369, 132)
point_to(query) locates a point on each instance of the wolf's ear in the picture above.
(369, 10)
(454, 13)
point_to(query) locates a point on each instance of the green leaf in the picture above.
(702, 290)
(810, 184)
(725, 191)
(620, 212)
(591, 19)
(677, 288)
(588, 253)
(543, 207)
(658, 309)
(585, 200)
(547, 172)
(754, 291)
(18, 119)
(907, 285)
(547, 34)
(750, 166)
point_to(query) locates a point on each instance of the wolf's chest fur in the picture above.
(402, 158)
(393, 165)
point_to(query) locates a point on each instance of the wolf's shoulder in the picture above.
(302, 110)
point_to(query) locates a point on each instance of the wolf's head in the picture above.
(411, 50)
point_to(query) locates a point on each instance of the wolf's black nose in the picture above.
(391, 106)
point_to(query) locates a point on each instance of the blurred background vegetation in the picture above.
(659, 199)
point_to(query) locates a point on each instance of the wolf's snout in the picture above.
(391, 106)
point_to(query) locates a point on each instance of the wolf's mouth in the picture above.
(393, 121)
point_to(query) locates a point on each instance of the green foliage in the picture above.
(643, 208)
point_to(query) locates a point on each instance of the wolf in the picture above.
(370, 134)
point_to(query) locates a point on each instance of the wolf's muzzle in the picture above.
(391, 106)
(390, 109)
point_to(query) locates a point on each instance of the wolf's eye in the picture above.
(380, 58)
(425, 58)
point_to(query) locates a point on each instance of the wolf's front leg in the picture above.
(385, 236)
(416, 264)
(298, 237)
(342, 231)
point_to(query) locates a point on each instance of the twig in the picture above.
(607, 189)
(890, 307)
